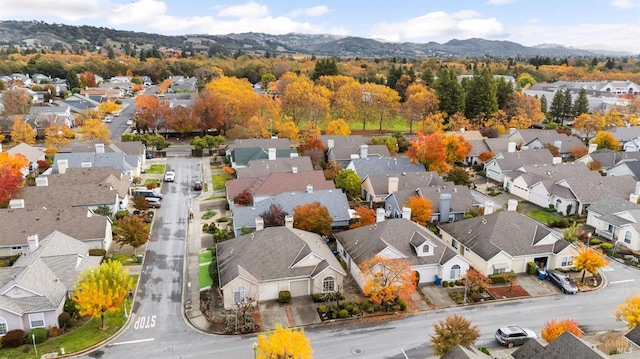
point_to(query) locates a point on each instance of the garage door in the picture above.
(427, 275)
(299, 287)
(269, 291)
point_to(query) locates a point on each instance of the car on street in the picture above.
(197, 186)
(562, 281)
(129, 122)
(153, 202)
(514, 335)
(147, 193)
(170, 176)
(108, 119)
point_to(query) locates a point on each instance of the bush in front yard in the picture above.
(595, 241)
(445, 283)
(97, 252)
(606, 246)
(40, 335)
(343, 313)
(13, 338)
(284, 296)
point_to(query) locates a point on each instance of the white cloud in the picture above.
(499, 2)
(248, 10)
(439, 26)
(310, 11)
(68, 10)
(624, 4)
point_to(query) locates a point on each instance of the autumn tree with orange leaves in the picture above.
(11, 179)
(208, 112)
(364, 217)
(420, 209)
(555, 328)
(387, 280)
(56, 137)
(312, 217)
(485, 156)
(589, 260)
(338, 127)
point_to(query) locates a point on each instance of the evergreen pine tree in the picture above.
(557, 107)
(393, 76)
(567, 110)
(482, 97)
(581, 105)
(325, 67)
(450, 92)
(504, 89)
(427, 77)
(544, 106)
(72, 80)
(143, 56)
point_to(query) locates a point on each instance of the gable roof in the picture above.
(587, 191)
(242, 156)
(609, 208)
(33, 154)
(565, 346)
(272, 253)
(609, 158)
(278, 143)
(624, 134)
(506, 231)
(371, 165)
(117, 160)
(529, 350)
(509, 161)
(365, 242)
(461, 197)
(406, 180)
(261, 167)
(341, 141)
(460, 352)
(275, 183)
(632, 166)
(344, 153)
(634, 335)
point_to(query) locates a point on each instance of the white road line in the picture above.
(622, 281)
(131, 342)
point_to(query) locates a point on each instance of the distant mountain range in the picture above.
(37, 33)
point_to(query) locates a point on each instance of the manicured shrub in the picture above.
(595, 241)
(458, 282)
(366, 305)
(531, 268)
(13, 338)
(121, 214)
(355, 310)
(284, 296)
(347, 306)
(403, 306)
(445, 283)
(322, 309)
(53, 332)
(223, 219)
(63, 319)
(452, 284)
(39, 334)
(343, 313)
(607, 246)
(97, 252)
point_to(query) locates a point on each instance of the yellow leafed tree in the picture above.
(338, 127)
(102, 289)
(420, 209)
(589, 260)
(22, 132)
(554, 328)
(56, 137)
(108, 107)
(286, 128)
(283, 343)
(94, 131)
(629, 311)
(387, 280)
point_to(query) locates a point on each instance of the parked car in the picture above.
(147, 193)
(108, 119)
(562, 281)
(197, 186)
(153, 202)
(169, 176)
(129, 122)
(514, 335)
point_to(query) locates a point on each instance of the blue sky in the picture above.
(602, 24)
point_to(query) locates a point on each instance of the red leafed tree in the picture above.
(208, 112)
(87, 79)
(274, 216)
(485, 156)
(11, 179)
(312, 217)
(243, 198)
(430, 151)
(365, 217)
(387, 280)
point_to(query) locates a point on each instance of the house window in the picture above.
(454, 243)
(455, 272)
(425, 248)
(499, 270)
(239, 293)
(36, 320)
(16, 248)
(627, 237)
(328, 284)
(3, 326)
(567, 261)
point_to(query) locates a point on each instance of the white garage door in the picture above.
(427, 275)
(299, 287)
(269, 291)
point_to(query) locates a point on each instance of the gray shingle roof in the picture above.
(634, 335)
(565, 346)
(340, 141)
(259, 168)
(529, 350)
(117, 160)
(506, 231)
(608, 208)
(242, 156)
(343, 153)
(368, 166)
(335, 201)
(513, 160)
(271, 254)
(632, 166)
(33, 154)
(588, 191)
(460, 352)
(461, 198)
(624, 134)
(280, 143)
(275, 183)
(365, 242)
(406, 180)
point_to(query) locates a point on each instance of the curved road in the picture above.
(157, 328)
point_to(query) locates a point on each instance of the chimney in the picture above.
(406, 212)
(379, 215)
(99, 147)
(272, 154)
(445, 207)
(633, 198)
(512, 205)
(288, 221)
(259, 224)
(392, 184)
(556, 160)
(33, 242)
(16, 203)
(462, 130)
(293, 155)
(309, 188)
(511, 147)
(62, 166)
(512, 130)
(294, 169)
(330, 144)
(593, 147)
(557, 144)
(637, 188)
(488, 207)
(364, 151)
(42, 181)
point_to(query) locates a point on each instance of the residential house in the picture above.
(602, 95)
(80, 223)
(129, 164)
(633, 336)
(135, 151)
(46, 115)
(372, 165)
(31, 153)
(617, 219)
(626, 168)
(449, 202)
(78, 103)
(33, 290)
(606, 157)
(504, 163)
(261, 264)
(477, 142)
(248, 218)
(278, 143)
(537, 139)
(567, 345)
(400, 238)
(498, 145)
(344, 154)
(506, 241)
(274, 183)
(376, 187)
(259, 168)
(460, 352)
(241, 151)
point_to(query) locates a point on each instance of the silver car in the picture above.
(514, 335)
(562, 281)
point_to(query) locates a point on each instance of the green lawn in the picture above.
(81, 337)
(215, 197)
(155, 169)
(125, 259)
(544, 216)
(208, 215)
(219, 180)
(204, 257)
(157, 182)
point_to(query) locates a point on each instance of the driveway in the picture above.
(301, 311)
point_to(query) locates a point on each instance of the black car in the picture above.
(197, 186)
(514, 335)
(562, 281)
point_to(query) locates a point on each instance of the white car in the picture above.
(108, 119)
(129, 122)
(169, 176)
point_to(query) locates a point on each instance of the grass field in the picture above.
(157, 182)
(543, 216)
(155, 169)
(204, 259)
(219, 181)
(125, 259)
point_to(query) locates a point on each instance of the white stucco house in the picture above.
(617, 219)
